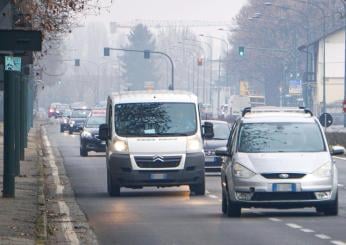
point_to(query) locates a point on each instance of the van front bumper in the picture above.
(121, 170)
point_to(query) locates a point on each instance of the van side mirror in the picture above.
(208, 130)
(222, 152)
(103, 132)
(337, 150)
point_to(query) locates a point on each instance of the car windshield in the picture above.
(80, 113)
(280, 137)
(67, 113)
(155, 119)
(221, 131)
(95, 122)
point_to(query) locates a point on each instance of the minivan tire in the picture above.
(199, 188)
(112, 187)
(331, 209)
(83, 151)
(233, 209)
(70, 131)
(61, 129)
(224, 202)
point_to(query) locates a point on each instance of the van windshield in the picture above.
(155, 119)
(280, 137)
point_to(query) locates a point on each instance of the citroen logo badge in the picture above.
(158, 159)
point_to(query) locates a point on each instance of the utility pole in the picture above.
(344, 103)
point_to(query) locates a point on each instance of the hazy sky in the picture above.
(209, 10)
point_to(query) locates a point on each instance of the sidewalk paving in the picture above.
(19, 215)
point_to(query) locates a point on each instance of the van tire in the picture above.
(331, 209)
(224, 202)
(199, 188)
(112, 187)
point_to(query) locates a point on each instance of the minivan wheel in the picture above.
(224, 202)
(83, 151)
(198, 189)
(331, 209)
(233, 210)
(112, 187)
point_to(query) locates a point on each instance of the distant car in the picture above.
(278, 158)
(101, 104)
(64, 120)
(89, 140)
(77, 120)
(52, 109)
(221, 134)
(60, 109)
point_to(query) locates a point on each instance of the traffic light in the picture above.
(77, 62)
(200, 61)
(146, 54)
(241, 51)
(106, 52)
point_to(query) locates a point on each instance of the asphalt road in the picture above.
(171, 216)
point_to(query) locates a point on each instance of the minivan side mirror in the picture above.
(208, 130)
(337, 150)
(103, 132)
(222, 152)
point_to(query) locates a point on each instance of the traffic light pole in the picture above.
(17, 124)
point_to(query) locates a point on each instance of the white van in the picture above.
(153, 139)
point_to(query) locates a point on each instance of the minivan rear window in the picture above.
(280, 137)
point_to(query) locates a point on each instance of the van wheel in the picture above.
(330, 209)
(232, 210)
(83, 151)
(112, 187)
(198, 189)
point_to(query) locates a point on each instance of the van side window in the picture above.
(109, 122)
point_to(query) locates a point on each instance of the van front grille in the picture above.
(158, 161)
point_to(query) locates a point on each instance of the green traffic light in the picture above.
(241, 51)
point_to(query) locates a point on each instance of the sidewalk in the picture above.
(19, 215)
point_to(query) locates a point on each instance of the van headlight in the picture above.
(194, 144)
(120, 146)
(242, 172)
(324, 171)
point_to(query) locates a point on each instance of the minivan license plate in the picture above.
(284, 187)
(158, 176)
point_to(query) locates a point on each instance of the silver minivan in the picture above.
(278, 158)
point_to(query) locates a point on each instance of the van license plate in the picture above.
(158, 176)
(284, 187)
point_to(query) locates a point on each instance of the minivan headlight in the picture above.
(324, 171)
(194, 144)
(121, 146)
(242, 172)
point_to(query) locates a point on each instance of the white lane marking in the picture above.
(340, 158)
(294, 226)
(307, 230)
(322, 236)
(275, 219)
(213, 196)
(338, 243)
(67, 225)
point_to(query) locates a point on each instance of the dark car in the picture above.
(221, 133)
(89, 140)
(60, 109)
(77, 120)
(64, 120)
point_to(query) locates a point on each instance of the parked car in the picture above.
(89, 137)
(77, 120)
(60, 109)
(221, 134)
(278, 158)
(64, 120)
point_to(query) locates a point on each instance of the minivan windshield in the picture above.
(155, 119)
(280, 137)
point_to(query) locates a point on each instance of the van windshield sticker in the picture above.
(150, 131)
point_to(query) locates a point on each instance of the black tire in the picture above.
(70, 131)
(232, 210)
(61, 129)
(198, 189)
(331, 209)
(112, 187)
(224, 202)
(83, 151)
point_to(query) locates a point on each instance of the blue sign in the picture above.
(295, 87)
(13, 63)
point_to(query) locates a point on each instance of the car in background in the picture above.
(79, 105)
(278, 158)
(101, 105)
(52, 109)
(60, 109)
(221, 134)
(64, 120)
(89, 137)
(77, 120)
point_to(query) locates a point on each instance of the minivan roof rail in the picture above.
(300, 109)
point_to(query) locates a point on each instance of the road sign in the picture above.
(326, 120)
(13, 63)
(244, 88)
(295, 87)
(19, 40)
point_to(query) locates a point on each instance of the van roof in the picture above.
(153, 96)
